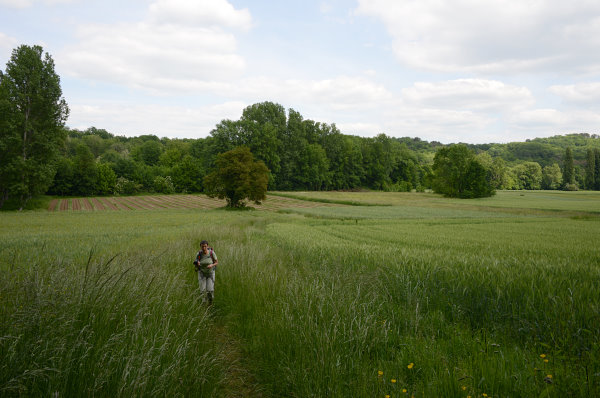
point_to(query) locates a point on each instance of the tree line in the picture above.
(39, 154)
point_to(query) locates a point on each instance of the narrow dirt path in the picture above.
(240, 382)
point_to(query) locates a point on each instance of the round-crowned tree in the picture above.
(237, 178)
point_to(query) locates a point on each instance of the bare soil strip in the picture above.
(87, 204)
(97, 204)
(119, 202)
(166, 202)
(157, 201)
(133, 202)
(176, 202)
(110, 204)
(143, 201)
(64, 204)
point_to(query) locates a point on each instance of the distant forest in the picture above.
(302, 154)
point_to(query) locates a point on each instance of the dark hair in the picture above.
(203, 242)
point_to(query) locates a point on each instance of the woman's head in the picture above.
(204, 245)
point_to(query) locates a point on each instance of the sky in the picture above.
(472, 71)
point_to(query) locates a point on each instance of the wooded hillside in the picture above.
(301, 154)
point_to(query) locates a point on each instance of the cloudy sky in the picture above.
(452, 71)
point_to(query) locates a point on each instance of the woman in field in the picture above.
(206, 263)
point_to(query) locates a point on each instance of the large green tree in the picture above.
(32, 117)
(457, 173)
(238, 177)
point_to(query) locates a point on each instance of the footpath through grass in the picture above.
(411, 299)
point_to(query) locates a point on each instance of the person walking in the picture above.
(206, 264)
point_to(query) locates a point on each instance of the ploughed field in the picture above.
(333, 294)
(161, 202)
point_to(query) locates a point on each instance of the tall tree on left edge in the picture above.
(32, 117)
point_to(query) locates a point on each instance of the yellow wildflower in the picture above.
(542, 355)
(545, 360)
(404, 390)
(380, 373)
(410, 365)
(387, 396)
(549, 376)
(464, 388)
(484, 394)
(393, 380)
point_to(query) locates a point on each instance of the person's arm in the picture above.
(213, 256)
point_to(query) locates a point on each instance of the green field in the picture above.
(421, 296)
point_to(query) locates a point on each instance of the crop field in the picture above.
(399, 295)
(157, 202)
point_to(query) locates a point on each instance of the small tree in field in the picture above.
(238, 177)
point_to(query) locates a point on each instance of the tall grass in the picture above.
(470, 303)
(106, 306)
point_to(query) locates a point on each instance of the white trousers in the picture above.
(207, 283)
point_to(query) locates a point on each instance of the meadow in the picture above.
(412, 295)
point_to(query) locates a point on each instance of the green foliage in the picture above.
(458, 174)
(31, 123)
(64, 178)
(552, 177)
(149, 152)
(164, 185)
(85, 172)
(307, 155)
(126, 187)
(107, 180)
(187, 175)
(528, 175)
(237, 177)
(597, 168)
(568, 170)
(590, 170)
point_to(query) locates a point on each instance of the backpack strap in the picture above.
(212, 256)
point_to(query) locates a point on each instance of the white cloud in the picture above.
(494, 36)
(7, 43)
(552, 121)
(341, 92)
(207, 13)
(582, 93)
(361, 129)
(468, 94)
(181, 47)
(163, 121)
